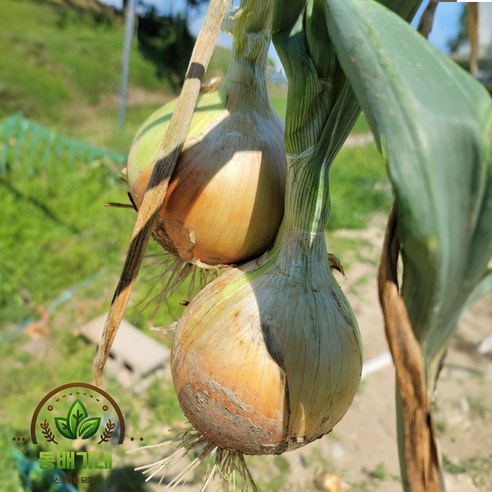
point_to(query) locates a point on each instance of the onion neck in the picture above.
(307, 202)
(246, 72)
(307, 207)
(300, 245)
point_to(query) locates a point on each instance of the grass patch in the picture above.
(52, 75)
(163, 403)
(363, 486)
(450, 467)
(9, 477)
(480, 469)
(361, 125)
(61, 66)
(276, 468)
(442, 426)
(358, 186)
(316, 458)
(279, 105)
(478, 408)
(56, 230)
(379, 472)
(99, 126)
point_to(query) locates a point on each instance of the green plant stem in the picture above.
(316, 91)
(310, 94)
(309, 100)
(307, 203)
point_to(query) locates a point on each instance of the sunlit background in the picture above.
(68, 114)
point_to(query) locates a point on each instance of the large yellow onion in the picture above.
(268, 357)
(225, 199)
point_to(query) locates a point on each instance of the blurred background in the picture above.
(71, 99)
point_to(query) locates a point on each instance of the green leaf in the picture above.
(320, 100)
(76, 414)
(433, 124)
(63, 428)
(88, 427)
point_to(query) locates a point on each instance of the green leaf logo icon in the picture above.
(63, 428)
(89, 427)
(76, 414)
(77, 424)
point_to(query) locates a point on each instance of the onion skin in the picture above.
(225, 200)
(267, 358)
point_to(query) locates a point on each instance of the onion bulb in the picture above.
(225, 199)
(268, 357)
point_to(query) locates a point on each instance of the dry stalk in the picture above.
(161, 175)
(422, 460)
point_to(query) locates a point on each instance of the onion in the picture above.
(268, 357)
(225, 200)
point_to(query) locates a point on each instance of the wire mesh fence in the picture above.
(25, 142)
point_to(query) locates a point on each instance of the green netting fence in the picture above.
(27, 142)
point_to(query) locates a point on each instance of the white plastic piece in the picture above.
(376, 364)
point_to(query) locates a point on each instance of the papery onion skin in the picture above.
(225, 200)
(270, 360)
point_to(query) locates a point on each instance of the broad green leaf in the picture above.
(63, 428)
(321, 107)
(406, 9)
(433, 124)
(76, 414)
(347, 108)
(88, 427)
